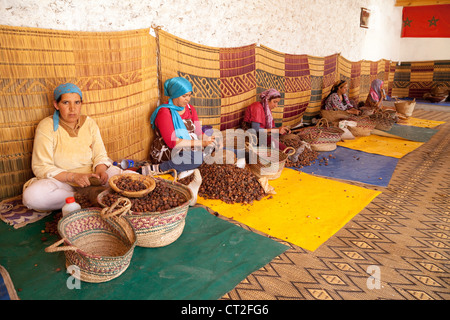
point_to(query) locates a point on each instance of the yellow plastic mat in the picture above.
(423, 123)
(305, 210)
(386, 146)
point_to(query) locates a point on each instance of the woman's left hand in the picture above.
(100, 171)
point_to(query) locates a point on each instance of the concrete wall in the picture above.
(314, 27)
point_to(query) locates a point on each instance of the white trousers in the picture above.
(50, 194)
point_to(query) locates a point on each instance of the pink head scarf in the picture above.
(265, 97)
(375, 89)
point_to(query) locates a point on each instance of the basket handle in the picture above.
(54, 247)
(253, 138)
(175, 174)
(249, 147)
(109, 212)
(321, 121)
(289, 151)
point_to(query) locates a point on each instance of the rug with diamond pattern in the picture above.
(396, 248)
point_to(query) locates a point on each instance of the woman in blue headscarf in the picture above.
(68, 152)
(179, 139)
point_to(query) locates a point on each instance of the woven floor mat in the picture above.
(396, 248)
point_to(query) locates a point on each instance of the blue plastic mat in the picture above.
(354, 165)
(411, 133)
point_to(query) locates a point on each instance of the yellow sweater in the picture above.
(78, 150)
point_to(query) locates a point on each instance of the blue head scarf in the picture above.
(57, 93)
(174, 88)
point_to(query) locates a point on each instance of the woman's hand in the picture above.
(100, 170)
(206, 140)
(284, 130)
(82, 179)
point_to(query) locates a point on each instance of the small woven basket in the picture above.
(99, 246)
(405, 108)
(321, 137)
(383, 120)
(367, 111)
(364, 126)
(148, 181)
(268, 162)
(159, 228)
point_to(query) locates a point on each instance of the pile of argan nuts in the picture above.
(127, 184)
(306, 158)
(229, 184)
(161, 198)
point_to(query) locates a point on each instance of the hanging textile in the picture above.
(426, 21)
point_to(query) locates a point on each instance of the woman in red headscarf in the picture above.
(258, 116)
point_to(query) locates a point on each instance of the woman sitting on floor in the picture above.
(376, 94)
(258, 116)
(179, 140)
(337, 99)
(68, 152)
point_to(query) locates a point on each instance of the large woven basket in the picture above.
(364, 126)
(159, 228)
(100, 247)
(334, 116)
(405, 108)
(268, 162)
(148, 181)
(321, 137)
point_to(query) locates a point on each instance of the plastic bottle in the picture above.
(70, 206)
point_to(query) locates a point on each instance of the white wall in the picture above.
(424, 49)
(314, 27)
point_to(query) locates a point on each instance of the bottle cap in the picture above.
(70, 199)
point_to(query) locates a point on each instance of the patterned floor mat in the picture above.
(396, 248)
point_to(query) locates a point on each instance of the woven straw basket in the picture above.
(148, 181)
(405, 108)
(383, 120)
(334, 116)
(161, 228)
(268, 162)
(364, 126)
(100, 247)
(321, 137)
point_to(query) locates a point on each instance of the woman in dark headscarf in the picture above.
(337, 98)
(376, 94)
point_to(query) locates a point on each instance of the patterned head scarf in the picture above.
(375, 89)
(174, 88)
(57, 93)
(265, 97)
